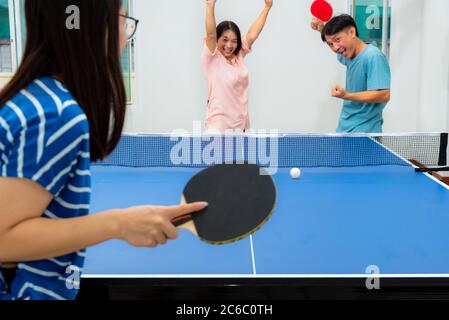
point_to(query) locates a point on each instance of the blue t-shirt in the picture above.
(44, 137)
(366, 72)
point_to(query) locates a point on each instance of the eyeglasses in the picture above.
(131, 26)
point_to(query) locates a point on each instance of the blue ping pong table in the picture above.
(336, 226)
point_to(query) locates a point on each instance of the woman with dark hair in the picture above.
(224, 68)
(64, 107)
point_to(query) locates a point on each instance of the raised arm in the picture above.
(317, 25)
(258, 25)
(211, 25)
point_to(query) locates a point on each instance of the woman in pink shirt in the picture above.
(227, 76)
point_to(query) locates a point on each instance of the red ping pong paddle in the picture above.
(322, 10)
(241, 199)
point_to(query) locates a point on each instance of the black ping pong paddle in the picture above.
(241, 199)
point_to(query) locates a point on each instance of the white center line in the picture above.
(252, 255)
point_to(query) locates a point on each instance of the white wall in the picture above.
(405, 62)
(291, 70)
(420, 66)
(435, 65)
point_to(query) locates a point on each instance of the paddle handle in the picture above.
(189, 226)
(186, 221)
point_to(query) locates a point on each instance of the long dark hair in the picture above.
(229, 25)
(87, 59)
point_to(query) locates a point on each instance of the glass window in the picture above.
(22, 22)
(127, 61)
(5, 38)
(12, 42)
(369, 16)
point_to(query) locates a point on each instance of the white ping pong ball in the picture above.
(295, 173)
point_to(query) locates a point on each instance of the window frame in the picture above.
(17, 38)
(386, 23)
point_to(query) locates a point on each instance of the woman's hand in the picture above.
(150, 226)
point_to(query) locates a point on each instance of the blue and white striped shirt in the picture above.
(44, 137)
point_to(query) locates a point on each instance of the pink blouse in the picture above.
(227, 82)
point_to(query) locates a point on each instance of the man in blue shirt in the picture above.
(368, 76)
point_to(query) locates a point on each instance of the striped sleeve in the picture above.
(43, 150)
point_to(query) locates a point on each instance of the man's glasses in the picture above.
(131, 26)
